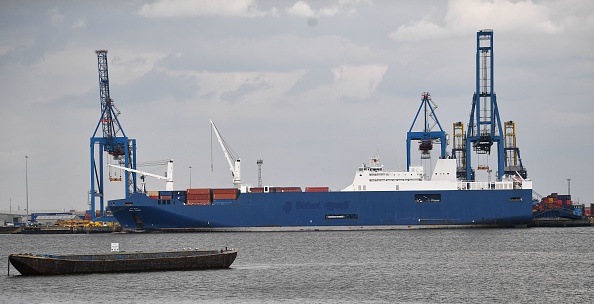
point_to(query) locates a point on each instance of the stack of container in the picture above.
(224, 196)
(554, 201)
(317, 189)
(201, 196)
(165, 195)
(153, 194)
(285, 189)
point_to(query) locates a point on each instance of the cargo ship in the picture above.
(377, 199)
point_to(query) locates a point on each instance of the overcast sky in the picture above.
(313, 88)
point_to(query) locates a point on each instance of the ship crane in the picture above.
(233, 161)
(168, 176)
(112, 140)
(426, 137)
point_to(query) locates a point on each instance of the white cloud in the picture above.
(465, 16)
(79, 24)
(358, 81)
(55, 17)
(303, 9)
(420, 30)
(187, 8)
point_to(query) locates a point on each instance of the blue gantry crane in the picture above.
(484, 127)
(426, 137)
(112, 140)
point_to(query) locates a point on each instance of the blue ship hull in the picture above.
(346, 210)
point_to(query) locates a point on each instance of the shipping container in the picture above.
(257, 190)
(317, 189)
(166, 193)
(152, 193)
(198, 196)
(224, 196)
(225, 190)
(165, 197)
(286, 189)
(199, 191)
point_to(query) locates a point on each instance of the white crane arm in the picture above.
(220, 139)
(168, 178)
(234, 163)
(138, 171)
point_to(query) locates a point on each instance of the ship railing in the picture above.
(502, 185)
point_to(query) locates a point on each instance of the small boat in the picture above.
(48, 264)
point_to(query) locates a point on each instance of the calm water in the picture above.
(538, 265)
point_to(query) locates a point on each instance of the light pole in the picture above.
(190, 167)
(27, 186)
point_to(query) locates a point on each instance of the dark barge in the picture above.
(47, 264)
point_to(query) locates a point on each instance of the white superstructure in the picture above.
(373, 177)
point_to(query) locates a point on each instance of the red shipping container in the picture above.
(317, 189)
(257, 190)
(198, 196)
(225, 191)
(165, 196)
(198, 191)
(288, 189)
(224, 196)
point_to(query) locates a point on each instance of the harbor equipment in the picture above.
(427, 137)
(112, 140)
(233, 161)
(484, 126)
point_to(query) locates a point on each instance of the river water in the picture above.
(535, 265)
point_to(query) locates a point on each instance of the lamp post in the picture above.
(190, 167)
(27, 186)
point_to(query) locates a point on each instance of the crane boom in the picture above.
(168, 178)
(234, 162)
(109, 121)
